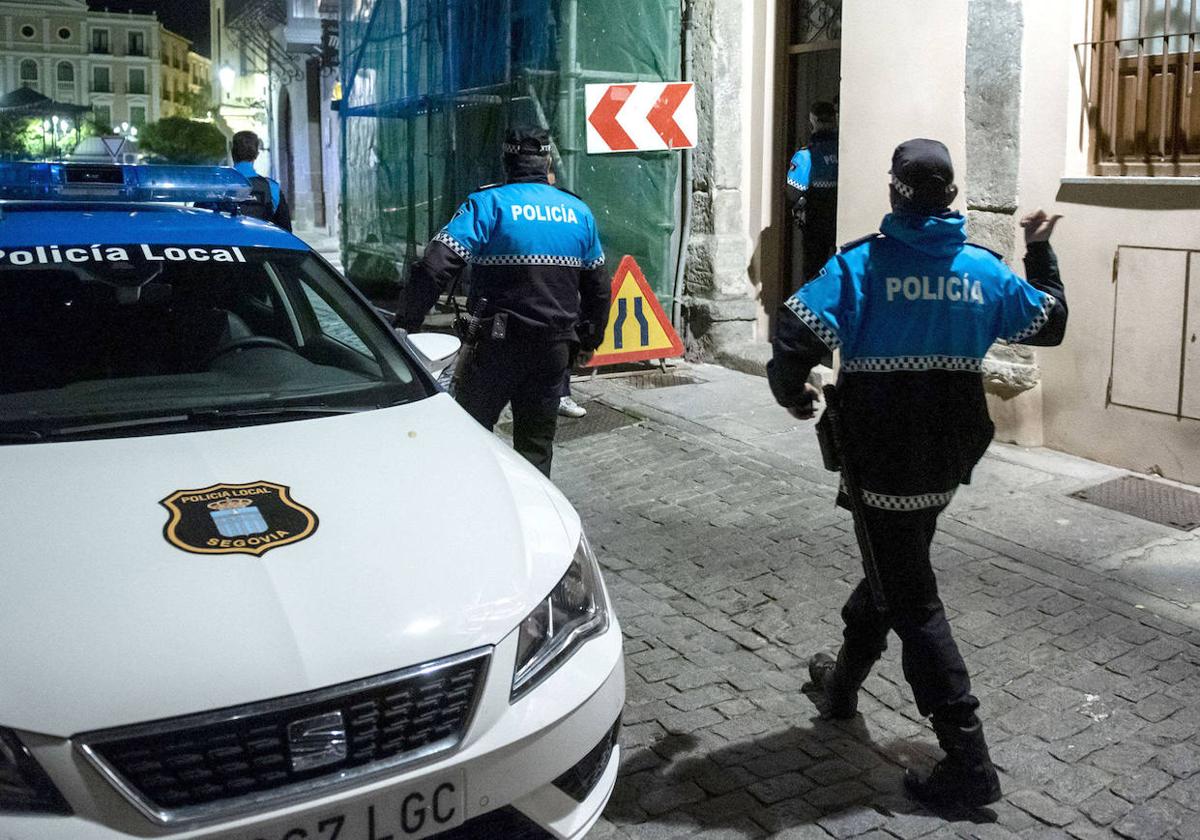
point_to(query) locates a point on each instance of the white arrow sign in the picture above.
(642, 117)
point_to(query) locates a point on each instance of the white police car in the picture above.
(260, 579)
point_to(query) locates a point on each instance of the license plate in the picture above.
(408, 812)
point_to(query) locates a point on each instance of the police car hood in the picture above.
(938, 236)
(431, 538)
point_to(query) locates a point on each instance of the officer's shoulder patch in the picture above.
(871, 237)
(995, 254)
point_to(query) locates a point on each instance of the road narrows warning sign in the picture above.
(638, 328)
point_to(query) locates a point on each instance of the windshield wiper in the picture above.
(204, 417)
(274, 411)
(21, 437)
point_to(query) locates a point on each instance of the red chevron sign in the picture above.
(642, 117)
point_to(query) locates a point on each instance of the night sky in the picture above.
(189, 18)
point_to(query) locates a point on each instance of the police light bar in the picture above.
(105, 182)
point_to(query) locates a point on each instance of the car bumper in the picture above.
(509, 761)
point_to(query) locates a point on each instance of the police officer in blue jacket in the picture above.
(812, 182)
(269, 202)
(913, 309)
(536, 259)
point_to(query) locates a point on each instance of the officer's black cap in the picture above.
(922, 176)
(524, 141)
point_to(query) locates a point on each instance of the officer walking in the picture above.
(913, 309)
(269, 201)
(812, 182)
(536, 259)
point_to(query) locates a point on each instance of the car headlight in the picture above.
(24, 786)
(572, 613)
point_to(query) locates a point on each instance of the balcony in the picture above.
(100, 49)
(138, 52)
(101, 87)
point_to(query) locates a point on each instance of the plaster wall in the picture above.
(1099, 217)
(891, 93)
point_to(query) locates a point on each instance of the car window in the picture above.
(122, 335)
(332, 324)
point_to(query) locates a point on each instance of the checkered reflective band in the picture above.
(513, 149)
(902, 188)
(1039, 320)
(897, 364)
(453, 244)
(814, 322)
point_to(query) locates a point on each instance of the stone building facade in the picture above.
(67, 52)
(128, 67)
(1082, 107)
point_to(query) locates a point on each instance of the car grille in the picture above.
(579, 780)
(202, 766)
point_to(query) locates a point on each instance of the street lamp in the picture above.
(227, 77)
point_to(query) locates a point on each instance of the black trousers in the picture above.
(932, 663)
(527, 372)
(820, 230)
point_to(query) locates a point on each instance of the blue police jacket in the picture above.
(913, 310)
(246, 168)
(534, 253)
(816, 165)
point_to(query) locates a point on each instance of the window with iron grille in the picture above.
(1141, 70)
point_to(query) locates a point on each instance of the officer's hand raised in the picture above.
(809, 409)
(1039, 226)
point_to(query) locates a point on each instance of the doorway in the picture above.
(814, 74)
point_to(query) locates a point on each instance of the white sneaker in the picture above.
(567, 407)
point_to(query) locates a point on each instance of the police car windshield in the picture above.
(100, 340)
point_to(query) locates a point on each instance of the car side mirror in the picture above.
(436, 350)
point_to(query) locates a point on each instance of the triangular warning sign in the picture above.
(113, 144)
(638, 329)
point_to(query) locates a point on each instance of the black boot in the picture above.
(838, 683)
(965, 777)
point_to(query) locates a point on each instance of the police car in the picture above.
(260, 578)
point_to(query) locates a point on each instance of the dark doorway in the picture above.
(814, 74)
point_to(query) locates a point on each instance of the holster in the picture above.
(830, 457)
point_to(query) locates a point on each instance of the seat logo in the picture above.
(317, 742)
(236, 519)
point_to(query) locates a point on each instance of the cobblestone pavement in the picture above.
(728, 565)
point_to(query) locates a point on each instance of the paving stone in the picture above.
(1140, 786)
(659, 800)
(1043, 808)
(777, 788)
(1149, 821)
(852, 822)
(1105, 808)
(1180, 760)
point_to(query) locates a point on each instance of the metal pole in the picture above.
(570, 145)
(685, 179)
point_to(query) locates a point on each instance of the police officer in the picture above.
(812, 182)
(269, 201)
(536, 259)
(913, 309)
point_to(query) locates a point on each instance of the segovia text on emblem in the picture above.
(236, 519)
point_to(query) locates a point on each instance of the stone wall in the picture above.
(718, 297)
(995, 30)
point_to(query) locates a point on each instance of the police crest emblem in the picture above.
(236, 519)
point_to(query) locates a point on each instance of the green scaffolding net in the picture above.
(431, 86)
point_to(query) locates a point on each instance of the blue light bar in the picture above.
(106, 182)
